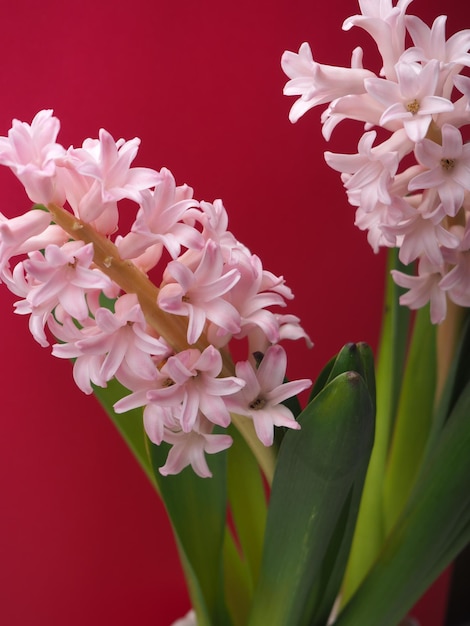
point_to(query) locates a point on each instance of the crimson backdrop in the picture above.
(83, 539)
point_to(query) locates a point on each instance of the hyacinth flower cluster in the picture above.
(86, 288)
(410, 177)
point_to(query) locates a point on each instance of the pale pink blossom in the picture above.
(98, 175)
(463, 85)
(20, 284)
(386, 24)
(363, 108)
(253, 294)
(288, 328)
(411, 100)
(156, 416)
(194, 387)
(448, 168)
(424, 288)
(109, 162)
(199, 294)
(372, 171)
(160, 220)
(84, 195)
(26, 233)
(31, 152)
(191, 448)
(431, 43)
(316, 83)
(456, 283)
(265, 390)
(374, 221)
(117, 341)
(419, 235)
(86, 368)
(63, 276)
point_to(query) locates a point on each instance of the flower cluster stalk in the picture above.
(168, 344)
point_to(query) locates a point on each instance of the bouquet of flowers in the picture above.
(343, 512)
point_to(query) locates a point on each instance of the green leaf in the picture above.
(429, 534)
(197, 511)
(414, 418)
(237, 581)
(196, 508)
(370, 527)
(311, 511)
(247, 498)
(322, 378)
(353, 357)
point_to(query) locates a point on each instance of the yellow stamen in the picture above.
(413, 107)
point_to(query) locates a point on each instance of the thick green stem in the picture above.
(370, 528)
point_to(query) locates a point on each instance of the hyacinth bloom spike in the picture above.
(89, 289)
(412, 206)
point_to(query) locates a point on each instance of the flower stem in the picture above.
(173, 328)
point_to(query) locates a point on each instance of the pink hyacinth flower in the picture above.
(386, 24)
(424, 288)
(412, 100)
(264, 392)
(194, 387)
(31, 152)
(448, 168)
(190, 449)
(316, 83)
(63, 276)
(199, 294)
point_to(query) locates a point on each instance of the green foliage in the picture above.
(314, 501)
(197, 510)
(432, 529)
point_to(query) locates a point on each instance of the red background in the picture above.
(83, 539)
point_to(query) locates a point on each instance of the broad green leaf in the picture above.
(237, 581)
(322, 378)
(353, 357)
(370, 527)
(311, 501)
(247, 499)
(197, 511)
(414, 418)
(348, 359)
(429, 534)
